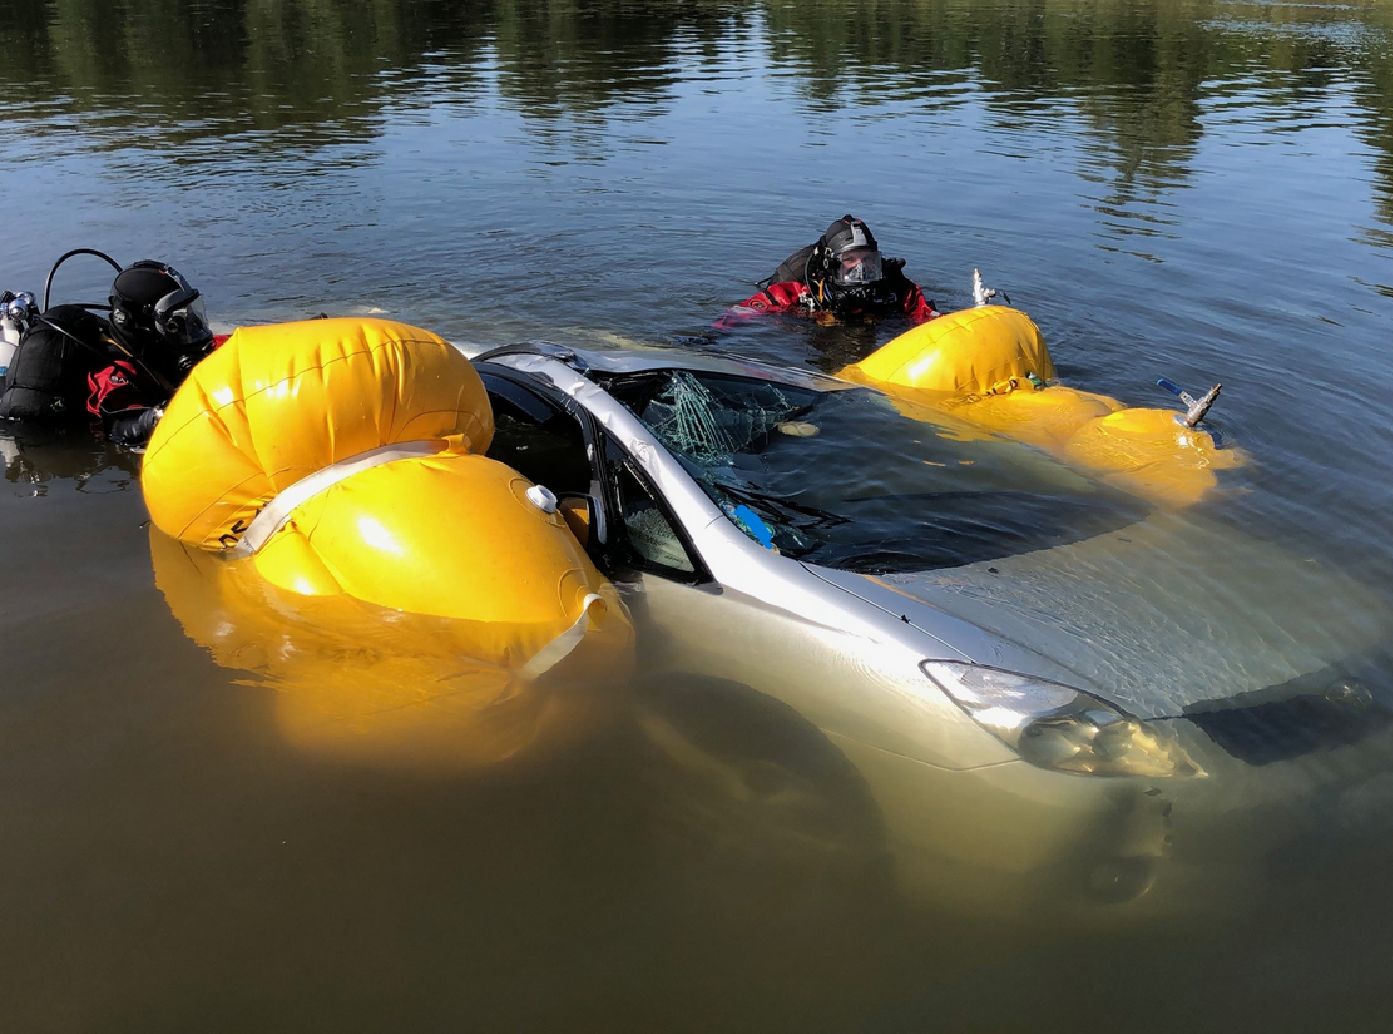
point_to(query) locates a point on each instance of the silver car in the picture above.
(1024, 689)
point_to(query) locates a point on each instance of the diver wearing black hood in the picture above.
(841, 275)
(73, 365)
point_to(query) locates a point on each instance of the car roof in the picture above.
(620, 361)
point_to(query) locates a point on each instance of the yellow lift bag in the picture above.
(332, 471)
(989, 366)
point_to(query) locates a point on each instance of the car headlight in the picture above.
(1058, 727)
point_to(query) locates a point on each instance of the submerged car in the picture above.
(1029, 690)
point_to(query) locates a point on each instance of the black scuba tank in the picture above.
(47, 375)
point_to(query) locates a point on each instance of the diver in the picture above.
(841, 277)
(117, 363)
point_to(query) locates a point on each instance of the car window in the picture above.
(649, 531)
(845, 479)
(540, 441)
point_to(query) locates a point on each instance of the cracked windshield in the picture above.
(696, 515)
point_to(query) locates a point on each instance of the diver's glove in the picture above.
(186, 361)
(133, 427)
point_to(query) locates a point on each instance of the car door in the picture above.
(551, 442)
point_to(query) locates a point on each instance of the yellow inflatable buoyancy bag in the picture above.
(971, 352)
(989, 367)
(278, 403)
(453, 536)
(1047, 418)
(351, 682)
(339, 461)
(1149, 453)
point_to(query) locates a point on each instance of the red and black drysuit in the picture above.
(127, 400)
(841, 274)
(900, 295)
(70, 366)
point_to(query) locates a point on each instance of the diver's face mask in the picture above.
(182, 323)
(857, 267)
(854, 278)
(169, 333)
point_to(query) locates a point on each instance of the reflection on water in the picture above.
(38, 460)
(361, 683)
(1199, 189)
(1135, 79)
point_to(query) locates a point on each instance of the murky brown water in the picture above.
(1196, 189)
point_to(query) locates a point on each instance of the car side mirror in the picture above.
(578, 511)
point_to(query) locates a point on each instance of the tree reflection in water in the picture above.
(261, 75)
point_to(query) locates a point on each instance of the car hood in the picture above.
(1161, 616)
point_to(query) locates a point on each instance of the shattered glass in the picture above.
(694, 421)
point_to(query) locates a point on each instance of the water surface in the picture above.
(1190, 188)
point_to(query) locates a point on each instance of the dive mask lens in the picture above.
(858, 266)
(187, 324)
